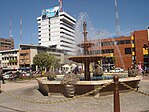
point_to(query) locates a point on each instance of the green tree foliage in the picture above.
(44, 60)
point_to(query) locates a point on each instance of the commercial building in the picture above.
(9, 59)
(124, 51)
(57, 29)
(23, 58)
(6, 44)
(27, 53)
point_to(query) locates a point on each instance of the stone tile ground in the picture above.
(129, 101)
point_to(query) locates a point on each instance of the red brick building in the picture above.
(6, 44)
(125, 50)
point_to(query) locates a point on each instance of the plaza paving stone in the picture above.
(129, 101)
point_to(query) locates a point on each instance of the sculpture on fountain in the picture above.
(86, 58)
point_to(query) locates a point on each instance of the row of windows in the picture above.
(24, 60)
(102, 51)
(66, 42)
(3, 43)
(66, 46)
(5, 46)
(67, 30)
(40, 39)
(4, 40)
(25, 48)
(9, 58)
(66, 34)
(67, 25)
(115, 42)
(107, 43)
(123, 42)
(6, 53)
(67, 38)
(68, 18)
(8, 64)
(24, 54)
(127, 51)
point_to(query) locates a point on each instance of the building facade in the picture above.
(57, 29)
(6, 44)
(27, 53)
(9, 59)
(124, 51)
(23, 58)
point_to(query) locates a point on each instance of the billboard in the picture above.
(52, 12)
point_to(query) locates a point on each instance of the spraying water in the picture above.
(96, 35)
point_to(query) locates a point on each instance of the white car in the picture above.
(111, 71)
(25, 74)
(7, 75)
(119, 70)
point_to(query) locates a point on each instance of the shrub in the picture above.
(70, 79)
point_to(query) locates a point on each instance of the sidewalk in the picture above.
(129, 101)
(146, 77)
(19, 84)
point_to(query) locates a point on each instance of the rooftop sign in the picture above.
(51, 12)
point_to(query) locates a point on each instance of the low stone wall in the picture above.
(83, 87)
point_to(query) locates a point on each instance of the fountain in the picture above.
(48, 87)
(86, 58)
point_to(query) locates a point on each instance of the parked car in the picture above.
(111, 71)
(7, 75)
(119, 70)
(25, 74)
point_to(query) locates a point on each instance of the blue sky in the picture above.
(134, 15)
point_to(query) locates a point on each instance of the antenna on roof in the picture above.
(60, 5)
(20, 30)
(10, 30)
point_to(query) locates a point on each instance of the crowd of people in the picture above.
(137, 69)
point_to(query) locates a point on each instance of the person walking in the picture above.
(1, 75)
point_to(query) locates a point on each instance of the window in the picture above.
(107, 43)
(127, 42)
(127, 50)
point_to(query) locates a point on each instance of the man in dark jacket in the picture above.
(1, 75)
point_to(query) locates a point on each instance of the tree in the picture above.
(44, 60)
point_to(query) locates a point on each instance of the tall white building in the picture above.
(57, 29)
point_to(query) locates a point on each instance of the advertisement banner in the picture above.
(52, 12)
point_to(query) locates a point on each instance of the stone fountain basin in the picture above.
(47, 87)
